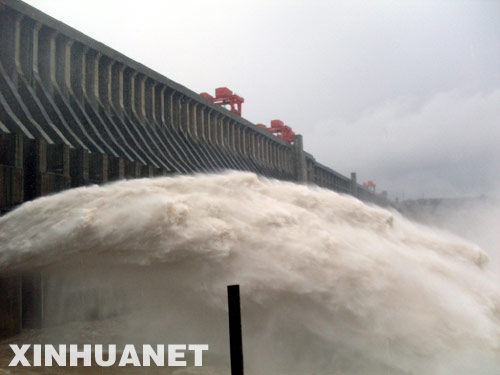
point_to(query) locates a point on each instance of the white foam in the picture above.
(362, 289)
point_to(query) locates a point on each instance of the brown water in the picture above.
(329, 285)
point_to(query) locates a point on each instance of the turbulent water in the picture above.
(329, 285)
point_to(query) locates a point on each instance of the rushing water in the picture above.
(329, 285)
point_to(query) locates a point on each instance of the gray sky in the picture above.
(406, 93)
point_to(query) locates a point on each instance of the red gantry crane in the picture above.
(223, 97)
(280, 129)
(370, 185)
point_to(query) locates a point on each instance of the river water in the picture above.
(329, 285)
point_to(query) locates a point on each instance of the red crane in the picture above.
(223, 97)
(370, 185)
(280, 129)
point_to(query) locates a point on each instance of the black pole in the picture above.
(235, 339)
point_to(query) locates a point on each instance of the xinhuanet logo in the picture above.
(174, 355)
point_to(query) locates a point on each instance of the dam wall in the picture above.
(75, 112)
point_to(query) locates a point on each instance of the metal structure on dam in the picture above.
(75, 112)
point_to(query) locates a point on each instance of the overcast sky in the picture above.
(406, 93)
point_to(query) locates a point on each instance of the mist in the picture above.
(474, 218)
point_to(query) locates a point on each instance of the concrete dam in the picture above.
(75, 112)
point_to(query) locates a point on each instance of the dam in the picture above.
(129, 202)
(75, 112)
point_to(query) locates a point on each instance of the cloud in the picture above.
(447, 145)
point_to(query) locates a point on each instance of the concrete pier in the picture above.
(10, 306)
